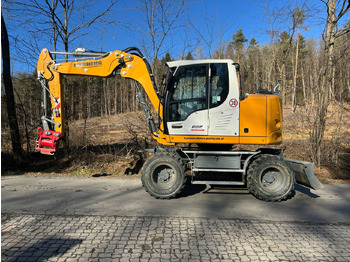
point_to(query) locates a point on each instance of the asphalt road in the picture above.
(125, 197)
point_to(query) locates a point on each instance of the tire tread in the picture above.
(169, 154)
(253, 184)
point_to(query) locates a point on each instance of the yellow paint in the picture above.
(205, 139)
(274, 119)
(252, 117)
(261, 116)
(56, 89)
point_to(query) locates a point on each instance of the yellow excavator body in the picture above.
(202, 104)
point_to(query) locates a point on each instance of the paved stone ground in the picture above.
(113, 238)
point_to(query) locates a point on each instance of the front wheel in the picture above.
(270, 178)
(163, 176)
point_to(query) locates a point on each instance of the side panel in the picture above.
(253, 116)
(217, 161)
(224, 119)
(195, 124)
(261, 120)
(274, 119)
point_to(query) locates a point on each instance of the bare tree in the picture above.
(298, 19)
(62, 23)
(162, 17)
(273, 28)
(65, 19)
(325, 79)
(209, 35)
(271, 19)
(11, 110)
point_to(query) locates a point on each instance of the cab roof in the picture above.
(195, 62)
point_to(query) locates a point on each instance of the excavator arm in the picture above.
(128, 65)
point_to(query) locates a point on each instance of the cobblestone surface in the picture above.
(96, 238)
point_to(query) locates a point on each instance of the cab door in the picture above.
(224, 100)
(187, 101)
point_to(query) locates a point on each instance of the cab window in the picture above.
(219, 84)
(189, 92)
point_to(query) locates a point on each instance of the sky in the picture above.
(213, 19)
(223, 16)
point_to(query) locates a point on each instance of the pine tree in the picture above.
(189, 56)
(238, 40)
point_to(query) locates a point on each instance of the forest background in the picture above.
(302, 45)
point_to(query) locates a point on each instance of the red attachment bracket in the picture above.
(47, 141)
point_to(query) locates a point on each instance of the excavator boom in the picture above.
(128, 65)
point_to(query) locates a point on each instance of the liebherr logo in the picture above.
(197, 128)
(88, 64)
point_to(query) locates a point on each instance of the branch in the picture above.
(169, 27)
(86, 25)
(77, 37)
(343, 10)
(342, 32)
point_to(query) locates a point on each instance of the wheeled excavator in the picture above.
(200, 110)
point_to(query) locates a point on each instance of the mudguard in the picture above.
(304, 173)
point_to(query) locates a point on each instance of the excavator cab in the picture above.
(202, 99)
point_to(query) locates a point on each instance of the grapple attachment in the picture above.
(47, 141)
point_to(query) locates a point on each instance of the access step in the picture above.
(208, 182)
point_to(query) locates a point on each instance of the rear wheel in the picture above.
(163, 176)
(270, 178)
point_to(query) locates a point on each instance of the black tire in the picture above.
(270, 178)
(163, 176)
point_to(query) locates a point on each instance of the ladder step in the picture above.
(218, 170)
(204, 182)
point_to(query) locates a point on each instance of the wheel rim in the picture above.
(164, 176)
(272, 179)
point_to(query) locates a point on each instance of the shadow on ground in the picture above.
(306, 191)
(42, 250)
(190, 190)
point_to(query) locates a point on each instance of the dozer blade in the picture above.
(304, 173)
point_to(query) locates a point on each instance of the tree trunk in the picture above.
(121, 100)
(65, 29)
(332, 87)
(303, 82)
(295, 75)
(10, 100)
(53, 23)
(105, 96)
(325, 82)
(115, 96)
